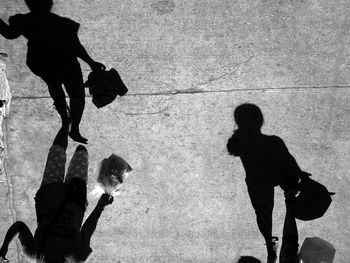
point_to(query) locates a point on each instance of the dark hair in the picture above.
(114, 163)
(39, 5)
(248, 116)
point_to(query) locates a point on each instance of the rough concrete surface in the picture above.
(187, 65)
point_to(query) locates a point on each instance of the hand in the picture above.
(106, 199)
(97, 66)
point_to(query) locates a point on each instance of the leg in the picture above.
(61, 138)
(289, 248)
(56, 160)
(262, 198)
(290, 226)
(75, 89)
(78, 166)
(77, 176)
(59, 98)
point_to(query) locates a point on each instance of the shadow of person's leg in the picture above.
(59, 97)
(77, 105)
(75, 88)
(290, 225)
(262, 199)
(289, 248)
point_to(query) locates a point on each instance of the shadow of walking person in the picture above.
(53, 49)
(267, 163)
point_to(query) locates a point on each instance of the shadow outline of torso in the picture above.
(53, 43)
(265, 159)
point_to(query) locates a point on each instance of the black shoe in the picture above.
(289, 254)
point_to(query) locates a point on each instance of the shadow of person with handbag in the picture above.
(53, 51)
(267, 163)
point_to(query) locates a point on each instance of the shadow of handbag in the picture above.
(104, 86)
(313, 200)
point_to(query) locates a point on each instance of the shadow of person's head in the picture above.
(248, 259)
(39, 6)
(248, 117)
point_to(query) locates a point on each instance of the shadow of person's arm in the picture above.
(233, 144)
(90, 223)
(8, 31)
(24, 235)
(286, 159)
(82, 54)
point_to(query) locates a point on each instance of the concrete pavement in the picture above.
(188, 64)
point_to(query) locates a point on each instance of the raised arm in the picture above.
(24, 235)
(8, 31)
(91, 222)
(233, 144)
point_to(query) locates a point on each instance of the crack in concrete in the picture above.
(232, 71)
(196, 90)
(145, 113)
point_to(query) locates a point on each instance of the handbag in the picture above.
(105, 86)
(313, 200)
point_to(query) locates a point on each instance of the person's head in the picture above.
(111, 172)
(39, 6)
(248, 117)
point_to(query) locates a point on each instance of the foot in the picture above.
(272, 247)
(289, 254)
(76, 136)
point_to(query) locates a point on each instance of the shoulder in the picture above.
(66, 22)
(18, 19)
(275, 139)
(275, 142)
